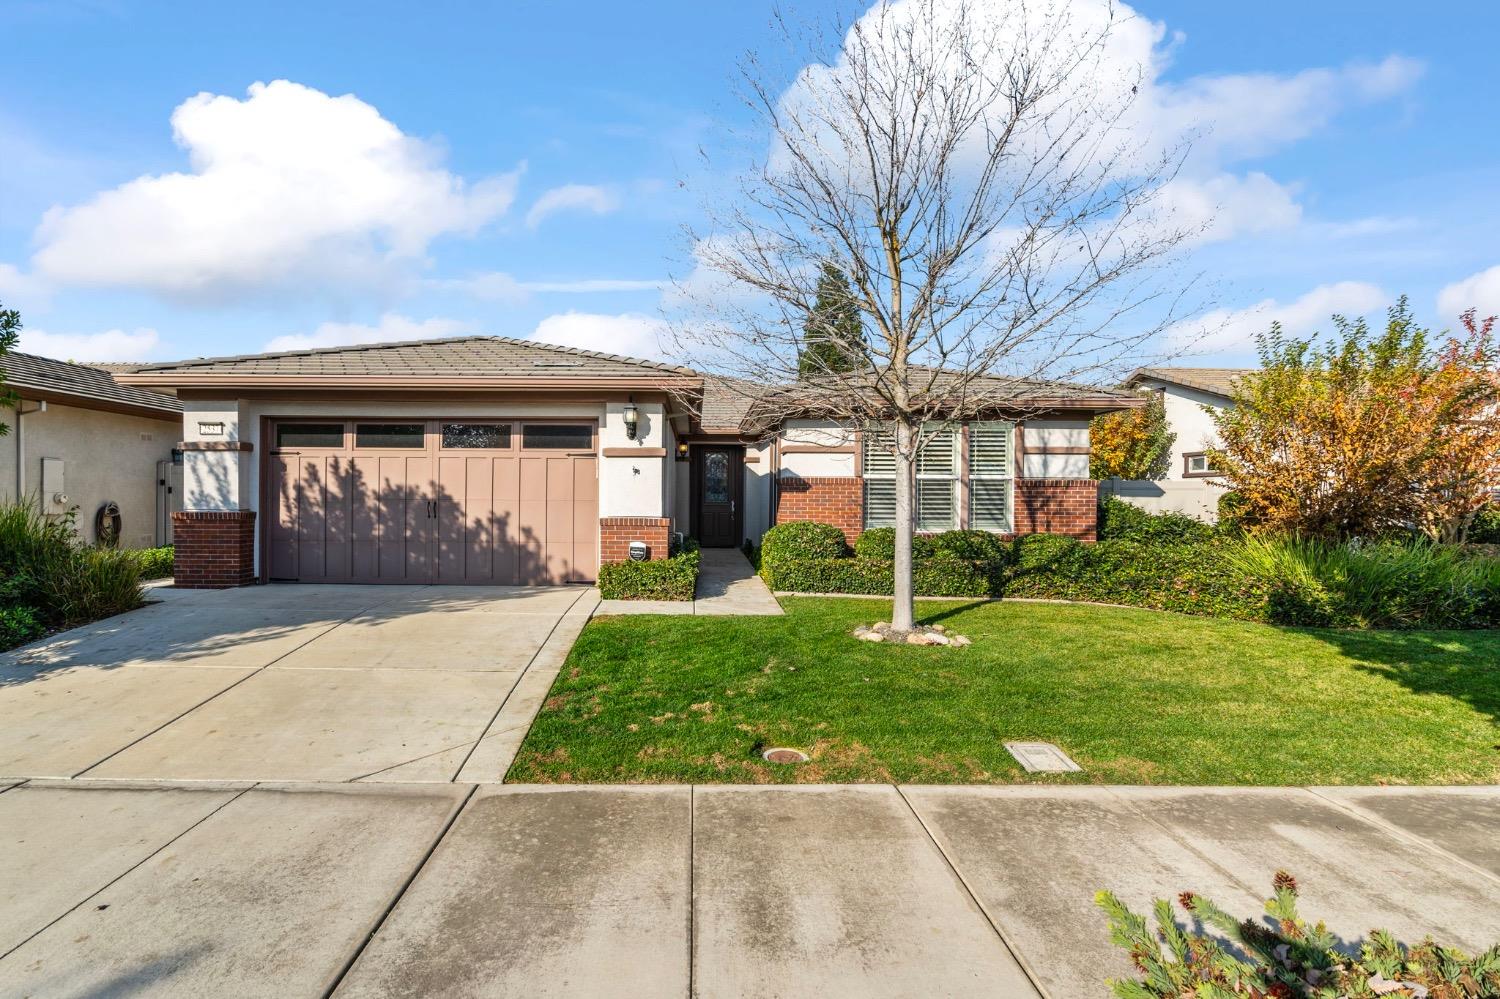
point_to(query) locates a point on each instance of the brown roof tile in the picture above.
(1219, 381)
(87, 383)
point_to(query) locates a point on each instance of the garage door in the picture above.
(444, 501)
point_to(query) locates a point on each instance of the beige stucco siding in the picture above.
(105, 457)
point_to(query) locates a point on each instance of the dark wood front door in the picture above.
(718, 484)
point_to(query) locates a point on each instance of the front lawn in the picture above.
(1133, 696)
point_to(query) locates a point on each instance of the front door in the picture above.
(718, 478)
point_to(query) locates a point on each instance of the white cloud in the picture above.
(497, 286)
(1225, 329)
(391, 327)
(1225, 206)
(289, 189)
(111, 345)
(1477, 291)
(18, 290)
(572, 197)
(630, 334)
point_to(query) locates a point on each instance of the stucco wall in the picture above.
(757, 519)
(815, 433)
(1185, 417)
(106, 457)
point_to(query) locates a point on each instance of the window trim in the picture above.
(1187, 466)
(961, 478)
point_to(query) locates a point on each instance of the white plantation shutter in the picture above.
(991, 470)
(937, 480)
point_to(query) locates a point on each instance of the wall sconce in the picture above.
(632, 418)
(682, 450)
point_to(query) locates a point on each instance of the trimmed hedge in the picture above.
(934, 577)
(803, 539)
(1119, 519)
(673, 578)
(155, 563)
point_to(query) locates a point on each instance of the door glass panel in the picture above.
(476, 435)
(715, 477)
(309, 435)
(557, 436)
(410, 435)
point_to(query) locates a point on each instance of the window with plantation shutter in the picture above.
(991, 471)
(937, 480)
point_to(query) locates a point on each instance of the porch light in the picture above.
(632, 419)
(682, 451)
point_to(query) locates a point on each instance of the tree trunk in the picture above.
(903, 612)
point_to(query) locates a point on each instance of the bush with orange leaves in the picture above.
(1366, 433)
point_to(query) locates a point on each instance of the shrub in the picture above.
(1234, 512)
(1485, 530)
(18, 625)
(1391, 584)
(1287, 956)
(1121, 519)
(801, 539)
(972, 546)
(880, 543)
(155, 563)
(46, 572)
(673, 578)
(933, 577)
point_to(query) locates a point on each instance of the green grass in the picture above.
(1133, 696)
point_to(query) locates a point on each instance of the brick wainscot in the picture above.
(214, 549)
(616, 534)
(839, 501)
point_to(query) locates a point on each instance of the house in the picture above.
(1191, 485)
(483, 459)
(81, 441)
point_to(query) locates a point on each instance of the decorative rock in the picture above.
(939, 628)
(960, 641)
(937, 639)
(883, 627)
(869, 636)
(917, 638)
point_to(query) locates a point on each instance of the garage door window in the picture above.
(392, 435)
(296, 435)
(557, 437)
(488, 436)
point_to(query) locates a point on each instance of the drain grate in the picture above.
(1041, 758)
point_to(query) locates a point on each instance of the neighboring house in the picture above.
(80, 440)
(490, 460)
(1192, 485)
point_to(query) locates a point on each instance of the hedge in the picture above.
(933, 577)
(155, 563)
(673, 578)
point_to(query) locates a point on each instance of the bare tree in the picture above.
(975, 170)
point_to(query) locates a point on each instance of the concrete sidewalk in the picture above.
(868, 891)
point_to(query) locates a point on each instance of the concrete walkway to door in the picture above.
(727, 587)
(292, 682)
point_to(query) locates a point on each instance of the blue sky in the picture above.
(529, 169)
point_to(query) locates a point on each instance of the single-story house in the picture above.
(1191, 485)
(483, 459)
(79, 440)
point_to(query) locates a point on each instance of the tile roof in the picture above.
(1219, 381)
(84, 382)
(726, 403)
(488, 356)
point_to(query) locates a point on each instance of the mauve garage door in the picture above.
(433, 501)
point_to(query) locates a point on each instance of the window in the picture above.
(557, 437)
(937, 481)
(392, 435)
(309, 435)
(1196, 464)
(991, 471)
(492, 436)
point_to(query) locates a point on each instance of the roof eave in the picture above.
(179, 380)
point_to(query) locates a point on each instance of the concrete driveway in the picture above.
(291, 683)
(365, 890)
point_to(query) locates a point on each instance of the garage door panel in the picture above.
(372, 515)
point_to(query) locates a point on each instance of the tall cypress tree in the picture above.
(832, 332)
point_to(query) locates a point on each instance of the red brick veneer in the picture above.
(1058, 506)
(836, 500)
(616, 534)
(213, 549)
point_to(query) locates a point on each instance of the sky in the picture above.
(184, 179)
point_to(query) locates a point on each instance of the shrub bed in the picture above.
(672, 578)
(155, 563)
(48, 579)
(1174, 563)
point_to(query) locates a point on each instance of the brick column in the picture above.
(1058, 506)
(616, 534)
(836, 500)
(214, 549)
